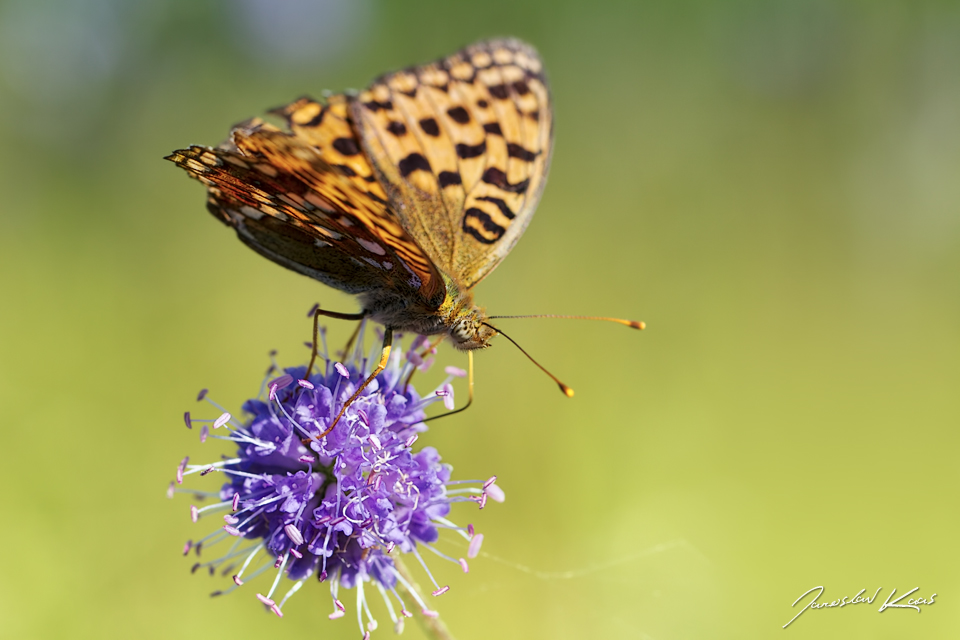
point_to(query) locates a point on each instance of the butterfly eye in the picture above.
(462, 332)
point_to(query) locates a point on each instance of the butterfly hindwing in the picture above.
(462, 147)
(292, 205)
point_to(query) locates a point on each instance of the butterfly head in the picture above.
(469, 330)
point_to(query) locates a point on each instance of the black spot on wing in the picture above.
(493, 127)
(516, 151)
(430, 127)
(498, 178)
(376, 198)
(483, 104)
(346, 146)
(504, 209)
(458, 114)
(397, 128)
(413, 162)
(473, 218)
(465, 151)
(448, 178)
(521, 87)
(317, 119)
(373, 105)
(499, 91)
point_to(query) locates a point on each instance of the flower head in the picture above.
(339, 506)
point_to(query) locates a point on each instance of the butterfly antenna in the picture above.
(633, 324)
(567, 391)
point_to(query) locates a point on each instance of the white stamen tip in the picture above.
(496, 493)
(222, 420)
(283, 381)
(342, 370)
(265, 600)
(464, 565)
(475, 543)
(442, 590)
(447, 394)
(456, 372)
(294, 534)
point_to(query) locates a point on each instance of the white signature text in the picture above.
(890, 603)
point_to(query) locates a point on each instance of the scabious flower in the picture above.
(339, 506)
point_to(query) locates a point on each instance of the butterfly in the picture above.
(408, 193)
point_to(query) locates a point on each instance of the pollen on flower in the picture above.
(337, 508)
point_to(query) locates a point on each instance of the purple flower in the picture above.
(339, 507)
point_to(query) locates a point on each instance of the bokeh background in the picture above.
(771, 185)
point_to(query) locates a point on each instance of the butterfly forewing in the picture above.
(327, 126)
(296, 208)
(462, 146)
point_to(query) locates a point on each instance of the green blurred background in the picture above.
(771, 185)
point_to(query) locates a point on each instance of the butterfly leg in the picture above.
(353, 338)
(381, 365)
(316, 320)
(469, 391)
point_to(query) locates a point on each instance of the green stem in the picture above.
(433, 627)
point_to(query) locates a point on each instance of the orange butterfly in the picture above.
(407, 194)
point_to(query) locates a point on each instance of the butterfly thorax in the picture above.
(457, 316)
